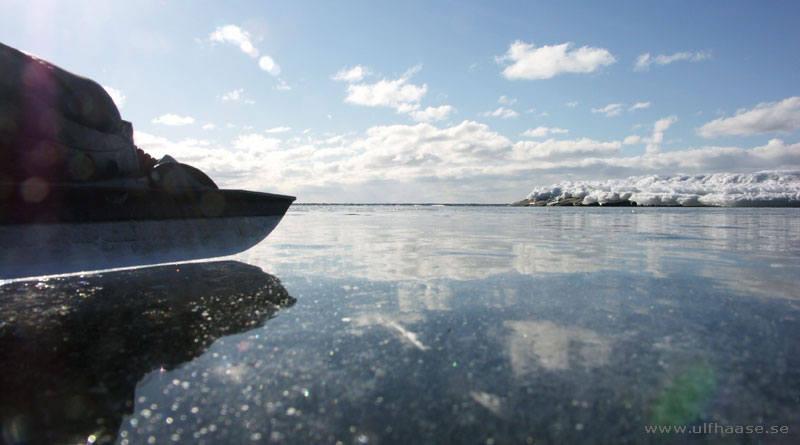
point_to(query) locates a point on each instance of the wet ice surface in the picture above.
(501, 325)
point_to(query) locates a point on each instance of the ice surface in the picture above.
(717, 189)
(460, 324)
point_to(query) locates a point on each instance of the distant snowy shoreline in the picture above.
(765, 188)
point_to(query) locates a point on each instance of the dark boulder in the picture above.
(58, 126)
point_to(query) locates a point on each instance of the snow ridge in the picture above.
(765, 188)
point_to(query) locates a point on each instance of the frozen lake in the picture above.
(430, 324)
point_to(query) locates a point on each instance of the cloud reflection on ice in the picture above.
(554, 347)
(420, 245)
(457, 325)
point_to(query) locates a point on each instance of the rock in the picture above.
(58, 126)
(624, 203)
(570, 202)
(567, 202)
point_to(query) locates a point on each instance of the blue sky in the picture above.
(436, 101)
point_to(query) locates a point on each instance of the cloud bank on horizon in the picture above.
(471, 150)
(446, 110)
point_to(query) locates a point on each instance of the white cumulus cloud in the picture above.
(400, 94)
(644, 61)
(529, 62)
(557, 150)
(507, 100)
(267, 64)
(389, 93)
(173, 120)
(354, 74)
(236, 96)
(609, 110)
(235, 35)
(160, 146)
(541, 131)
(406, 151)
(767, 117)
(661, 125)
(233, 95)
(776, 154)
(502, 112)
(657, 138)
(256, 142)
(279, 129)
(431, 114)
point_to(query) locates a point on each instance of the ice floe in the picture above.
(765, 188)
